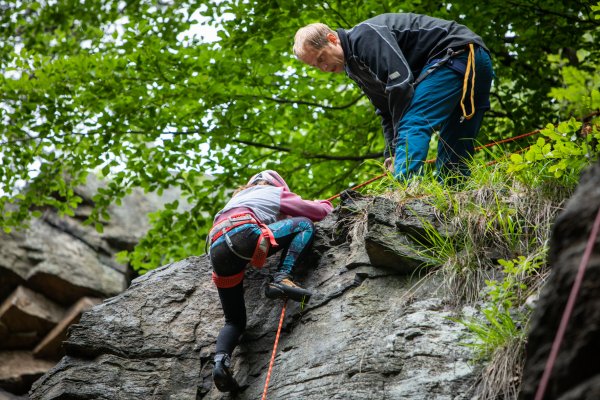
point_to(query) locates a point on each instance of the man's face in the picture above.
(328, 59)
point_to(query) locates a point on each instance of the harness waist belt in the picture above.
(438, 63)
(231, 222)
(266, 238)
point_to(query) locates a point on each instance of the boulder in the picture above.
(58, 262)
(63, 259)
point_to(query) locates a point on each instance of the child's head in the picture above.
(271, 178)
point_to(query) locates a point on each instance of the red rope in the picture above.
(489, 163)
(359, 186)
(433, 160)
(512, 139)
(539, 395)
(264, 396)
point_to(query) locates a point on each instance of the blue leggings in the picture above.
(436, 105)
(293, 236)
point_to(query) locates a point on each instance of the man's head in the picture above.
(319, 46)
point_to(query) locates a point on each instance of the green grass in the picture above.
(494, 255)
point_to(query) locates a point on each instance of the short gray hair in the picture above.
(313, 35)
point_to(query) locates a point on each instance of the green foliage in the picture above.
(562, 154)
(505, 314)
(438, 248)
(117, 89)
(513, 291)
(568, 146)
(505, 225)
(580, 93)
(495, 331)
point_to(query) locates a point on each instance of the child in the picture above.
(262, 217)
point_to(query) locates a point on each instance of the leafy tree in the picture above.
(114, 87)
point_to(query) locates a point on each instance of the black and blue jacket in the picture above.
(385, 54)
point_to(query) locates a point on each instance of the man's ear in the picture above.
(331, 38)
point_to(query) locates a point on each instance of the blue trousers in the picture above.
(436, 105)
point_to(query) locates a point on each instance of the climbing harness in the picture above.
(438, 62)
(265, 241)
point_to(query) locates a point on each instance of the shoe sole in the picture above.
(225, 383)
(296, 294)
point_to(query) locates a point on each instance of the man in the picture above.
(421, 73)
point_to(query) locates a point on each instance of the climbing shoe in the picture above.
(285, 288)
(222, 377)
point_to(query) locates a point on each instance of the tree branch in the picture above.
(309, 155)
(329, 8)
(309, 103)
(567, 17)
(240, 141)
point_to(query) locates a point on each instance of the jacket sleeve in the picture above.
(294, 206)
(377, 48)
(387, 125)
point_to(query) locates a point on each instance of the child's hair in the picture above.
(246, 186)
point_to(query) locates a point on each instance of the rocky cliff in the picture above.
(379, 326)
(376, 327)
(54, 270)
(576, 372)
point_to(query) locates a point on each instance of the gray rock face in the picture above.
(65, 260)
(60, 268)
(576, 373)
(367, 333)
(59, 264)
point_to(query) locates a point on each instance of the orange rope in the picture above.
(516, 152)
(433, 160)
(526, 134)
(359, 186)
(512, 139)
(491, 144)
(539, 395)
(264, 396)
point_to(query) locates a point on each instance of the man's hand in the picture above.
(389, 164)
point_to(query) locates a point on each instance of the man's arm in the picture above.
(389, 133)
(377, 48)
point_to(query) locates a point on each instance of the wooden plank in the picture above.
(19, 369)
(26, 317)
(51, 346)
